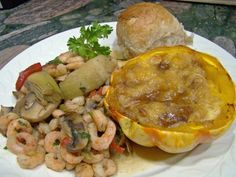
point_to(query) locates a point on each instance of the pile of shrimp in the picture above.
(53, 141)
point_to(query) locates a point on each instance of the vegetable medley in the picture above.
(59, 118)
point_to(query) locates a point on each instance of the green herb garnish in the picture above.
(87, 44)
(21, 123)
(90, 113)
(5, 148)
(55, 61)
(84, 135)
(56, 142)
(63, 108)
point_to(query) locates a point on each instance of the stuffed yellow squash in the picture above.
(172, 97)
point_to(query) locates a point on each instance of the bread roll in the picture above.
(144, 26)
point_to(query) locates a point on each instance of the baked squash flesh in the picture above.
(173, 98)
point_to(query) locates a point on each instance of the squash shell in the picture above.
(184, 137)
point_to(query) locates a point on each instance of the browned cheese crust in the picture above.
(165, 91)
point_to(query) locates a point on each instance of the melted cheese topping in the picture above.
(165, 90)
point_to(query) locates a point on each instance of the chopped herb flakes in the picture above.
(56, 142)
(55, 61)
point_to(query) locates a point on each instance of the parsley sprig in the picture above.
(87, 44)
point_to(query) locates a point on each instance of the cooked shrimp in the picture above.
(61, 68)
(5, 120)
(98, 170)
(106, 167)
(55, 162)
(75, 59)
(58, 113)
(54, 124)
(100, 119)
(51, 69)
(74, 107)
(61, 78)
(31, 161)
(52, 141)
(70, 106)
(70, 166)
(105, 89)
(109, 167)
(70, 157)
(90, 157)
(106, 153)
(103, 142)
(18, 125)
(87, 118)
(74, 65)
(41, 142)
(79, 100)
(65, 56)
(43, 128)
(84, 170)
(36, 134)
(22, 143)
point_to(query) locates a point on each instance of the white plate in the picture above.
(211, 160)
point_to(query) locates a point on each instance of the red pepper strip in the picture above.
(24, 74)
(116, 147)
(65, 141)
(99, 92)
(95, 92)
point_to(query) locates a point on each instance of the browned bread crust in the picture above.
(145, 26)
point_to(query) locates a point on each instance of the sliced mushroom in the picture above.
(30, 99)
(4, 110)
(18, 94)
(76, 131)
(31, 110)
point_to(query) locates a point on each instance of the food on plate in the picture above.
(59, 117)
(72, 133)
(24, 74)
(88, 77)
(172, 98)
(144, 26)
(40, 98)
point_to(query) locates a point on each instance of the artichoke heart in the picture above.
(88, 77)
(44, 87)
(42, 97)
